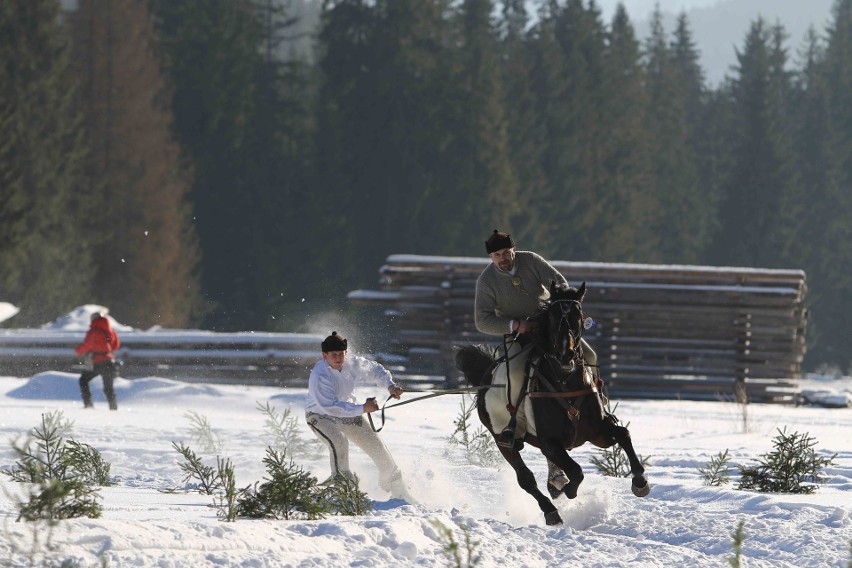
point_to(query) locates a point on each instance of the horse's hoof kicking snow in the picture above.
(552, 518)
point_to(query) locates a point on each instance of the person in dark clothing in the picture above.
(100, 344)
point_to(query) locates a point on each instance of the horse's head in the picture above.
(563, 323)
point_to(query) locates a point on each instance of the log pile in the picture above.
(662, 331)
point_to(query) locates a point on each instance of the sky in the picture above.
(682, 522)
(641, 8)
(719, 26)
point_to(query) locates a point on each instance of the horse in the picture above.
(562, 395)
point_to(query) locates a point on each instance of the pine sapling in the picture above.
(194, 468)
(739, 538)
(60, 484)
(716, 473)
(793, 467)
(283, 433)
(614, 462)
(226, 502)
(60, 499)
(202, 433)
(452, 549)
(346, 498)
(87, 462)
(479, 448)
(44, 460)
(288, 492)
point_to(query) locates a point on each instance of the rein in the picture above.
(461, 390)
(561, 394)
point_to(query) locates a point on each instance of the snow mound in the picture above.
(79, 319)
(56, 385)
(7, 311)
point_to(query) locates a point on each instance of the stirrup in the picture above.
(506, 439)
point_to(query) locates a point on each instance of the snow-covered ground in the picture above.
(681, 523)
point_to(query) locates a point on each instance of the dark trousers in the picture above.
(105, 369)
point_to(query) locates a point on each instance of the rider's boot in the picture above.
(506, 439)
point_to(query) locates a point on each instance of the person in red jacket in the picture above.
(101, 344)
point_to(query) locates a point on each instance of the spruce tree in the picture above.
(485, 189)
(550, 111)
(627, 202)
(673, 84)
(825, 153)
(383, 131)
(576, 136)
(757, 194)
(526, 132)
(45, 255)
(240, 113)
(146, 251)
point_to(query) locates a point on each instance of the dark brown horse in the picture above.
(567, 407)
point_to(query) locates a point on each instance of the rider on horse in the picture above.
(509, 291)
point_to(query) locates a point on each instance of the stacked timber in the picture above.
(662, 331)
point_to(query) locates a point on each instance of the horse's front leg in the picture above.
(526, 480)
(554, 451)
(621, 435)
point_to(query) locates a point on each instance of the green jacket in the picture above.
(502, 297)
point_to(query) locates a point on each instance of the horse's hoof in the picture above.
(571, 488)
(552, 518)
(555, 485)
(640, 490)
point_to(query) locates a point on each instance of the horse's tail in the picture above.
(476, 362)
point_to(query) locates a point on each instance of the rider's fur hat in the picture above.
(498, 241)
(334, 342)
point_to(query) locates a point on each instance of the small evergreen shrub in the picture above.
(793, 466)
(614, 463)
(202, 433)
(739, 538)
(452, 550)
(716, 473)
(63, 475)
(346, 498)
(208, 480)
(226, 502)
(283, 433)
(60, 499)
(87, 462)
(479, 447)
(288, 493)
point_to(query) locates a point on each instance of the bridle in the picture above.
(545, 387)
(572, 341)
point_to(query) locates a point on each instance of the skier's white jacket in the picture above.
(330, 392)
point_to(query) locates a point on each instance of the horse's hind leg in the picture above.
(526, 480)
(621, 435)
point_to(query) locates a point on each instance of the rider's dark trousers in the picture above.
(105, 369)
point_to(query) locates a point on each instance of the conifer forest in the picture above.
(218, 164)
